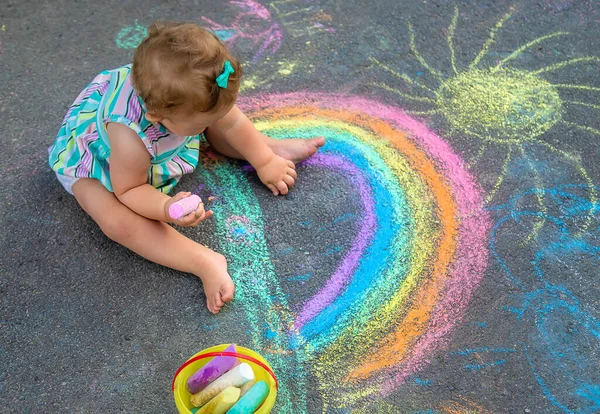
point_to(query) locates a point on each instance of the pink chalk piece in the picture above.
(211, 371)
(184, 207)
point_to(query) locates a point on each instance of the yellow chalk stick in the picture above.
(222, 402)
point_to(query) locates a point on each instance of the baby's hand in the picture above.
(278, 174)
(192, 219)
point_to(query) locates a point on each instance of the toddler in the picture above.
(134, 131)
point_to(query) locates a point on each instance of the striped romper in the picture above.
(82, 149)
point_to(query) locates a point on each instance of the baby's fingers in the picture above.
(181, 195)
(202, 217)
(199, 218)
(187, 221)
(200, 209)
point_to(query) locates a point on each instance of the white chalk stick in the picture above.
(246, 387)
(237, 377)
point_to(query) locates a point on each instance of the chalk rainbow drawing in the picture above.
(499, 105)
(417, 256)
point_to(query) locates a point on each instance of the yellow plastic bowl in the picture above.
(182, 395)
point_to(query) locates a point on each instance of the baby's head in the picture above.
(174, 72)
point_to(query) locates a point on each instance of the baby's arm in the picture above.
(275, 172)
(240, 133)
(129, 163)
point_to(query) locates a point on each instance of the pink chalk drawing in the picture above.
(263, 26)
(254, 23)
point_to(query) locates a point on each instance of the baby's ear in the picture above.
(152, 117)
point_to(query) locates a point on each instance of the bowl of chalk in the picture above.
(225, 379)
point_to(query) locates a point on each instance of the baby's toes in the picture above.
(227, 291)
(210, 305)
(317, 142)
(218, 301)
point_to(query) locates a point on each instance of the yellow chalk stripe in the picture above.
(404, 95)
(413, 49)
(583, 173)
(582, 104)
(582, 127)
(451, 30)
(500, 178)
(539, 195)
(489, 41)
(566, 63)
(402, 76)
(528, 45)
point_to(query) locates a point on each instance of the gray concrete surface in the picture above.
(87, 326)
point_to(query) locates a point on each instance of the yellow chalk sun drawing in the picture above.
(499, 105)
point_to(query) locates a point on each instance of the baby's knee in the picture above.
(118, 229)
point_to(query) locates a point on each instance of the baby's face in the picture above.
(192, 124)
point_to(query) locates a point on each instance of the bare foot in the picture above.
(296, 149)
(218, 286)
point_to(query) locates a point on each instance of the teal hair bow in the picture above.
(224, 76)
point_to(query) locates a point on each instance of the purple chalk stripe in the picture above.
(341, 277)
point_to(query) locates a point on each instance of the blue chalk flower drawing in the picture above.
(563, 343)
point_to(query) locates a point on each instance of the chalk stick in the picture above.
(184, 206)
(211, 371)
(251, 400)
(222, 402)
(246, 387)
(237, 377)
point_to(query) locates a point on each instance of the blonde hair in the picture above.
(175, 69)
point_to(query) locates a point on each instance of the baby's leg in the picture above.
(295, 150)
(156, 241)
